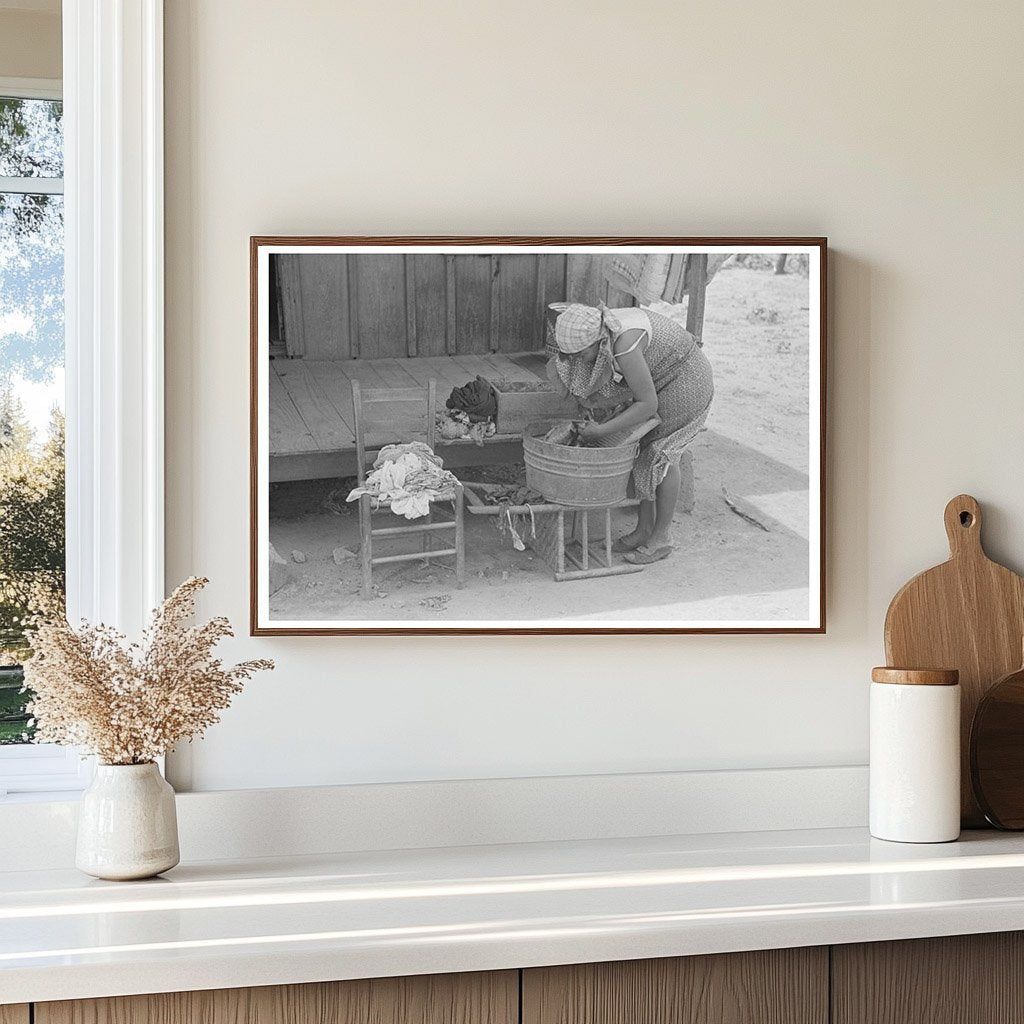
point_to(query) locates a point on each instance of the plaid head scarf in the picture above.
(576, 329)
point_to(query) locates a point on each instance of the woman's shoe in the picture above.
(645, 557)
(621, 546)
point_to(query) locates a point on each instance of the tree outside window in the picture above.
(32, 543)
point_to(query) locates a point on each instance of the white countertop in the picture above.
(297, 919)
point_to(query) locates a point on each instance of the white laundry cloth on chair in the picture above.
(407, 481)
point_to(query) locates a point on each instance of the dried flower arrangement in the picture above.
(130, 703)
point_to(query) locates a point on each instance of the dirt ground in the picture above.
(724, 567)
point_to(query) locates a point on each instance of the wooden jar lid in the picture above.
(916, 676)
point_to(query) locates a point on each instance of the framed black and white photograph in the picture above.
(537, 435)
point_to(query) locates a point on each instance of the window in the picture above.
(32, 531)
(112, 207)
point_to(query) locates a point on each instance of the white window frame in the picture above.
(114, 324)
(31, 89)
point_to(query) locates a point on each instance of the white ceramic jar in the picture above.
(915, 755)
(127, 823)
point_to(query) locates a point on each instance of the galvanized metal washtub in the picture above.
(581, 477)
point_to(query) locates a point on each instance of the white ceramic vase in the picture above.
(127, 825)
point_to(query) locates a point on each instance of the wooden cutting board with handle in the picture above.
(967, 614)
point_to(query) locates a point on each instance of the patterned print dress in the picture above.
(684, 383)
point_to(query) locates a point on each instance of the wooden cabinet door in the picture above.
(779, 986)
(490, 998)
(14, 1014)
(961, 979)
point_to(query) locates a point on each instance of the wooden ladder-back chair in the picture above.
(408, 414)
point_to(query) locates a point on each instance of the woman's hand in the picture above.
(591, 431)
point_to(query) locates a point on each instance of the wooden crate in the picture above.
(520, 403)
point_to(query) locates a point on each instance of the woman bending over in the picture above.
(627, 366)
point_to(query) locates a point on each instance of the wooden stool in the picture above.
(569, 553)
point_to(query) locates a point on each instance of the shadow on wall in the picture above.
(848, 428)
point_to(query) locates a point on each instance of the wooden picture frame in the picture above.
(405, 317)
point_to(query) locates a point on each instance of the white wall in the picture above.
(30, 41)
(895, 129)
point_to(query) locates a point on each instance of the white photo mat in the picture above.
(589, 605)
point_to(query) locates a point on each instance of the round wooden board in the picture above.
(997, 752)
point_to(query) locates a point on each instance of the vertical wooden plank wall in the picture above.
(388, 306)
(14, 1014)
(314, 305)
(411, 328)
(472, 304)
(398, 306)
(289, 285)
(553, 287)
(514, 325)
(382, 323)
(584, 284)
(450, 328)
(431, 307)
(580, 284)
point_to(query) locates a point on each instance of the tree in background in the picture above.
(31, 521)
(32, 570)
(31, 242)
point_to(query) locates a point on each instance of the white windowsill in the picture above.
(32, 772)
(47, 797)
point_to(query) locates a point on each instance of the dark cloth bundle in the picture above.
(477, 399)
